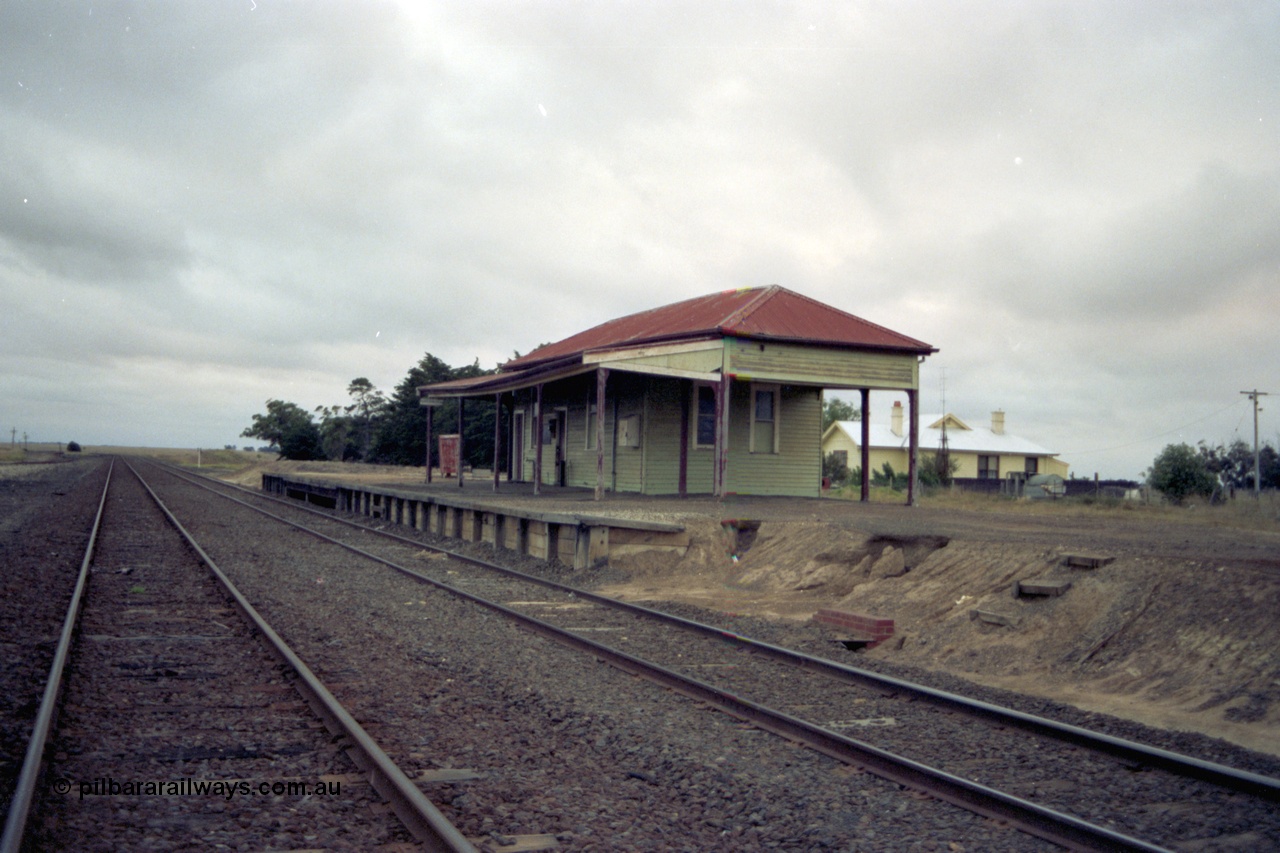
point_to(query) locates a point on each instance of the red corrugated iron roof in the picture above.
(768, 313)
(771, 312)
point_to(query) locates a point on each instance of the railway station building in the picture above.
(720, 394)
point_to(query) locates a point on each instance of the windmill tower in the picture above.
(942, 460)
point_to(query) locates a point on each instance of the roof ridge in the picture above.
(754, 304)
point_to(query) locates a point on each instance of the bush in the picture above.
(889, 478)
(835, 469)
(72, 447)
(1180, 472)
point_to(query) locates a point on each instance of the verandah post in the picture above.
(537, 442)
(602, 379)
(865, 449)
(431, 414)
(497, 436)
(913, 397)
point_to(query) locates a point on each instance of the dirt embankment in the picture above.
(1175, 643)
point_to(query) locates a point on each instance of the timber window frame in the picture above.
(766, 406)
(589, 442)
(703, 415)
(989, 467)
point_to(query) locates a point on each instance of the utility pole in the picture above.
(1257, 457)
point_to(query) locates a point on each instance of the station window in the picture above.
(764, 418)
(705, 415)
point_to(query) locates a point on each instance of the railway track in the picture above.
(181, 724)
(1063, 782)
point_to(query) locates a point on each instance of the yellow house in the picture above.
(983, 452)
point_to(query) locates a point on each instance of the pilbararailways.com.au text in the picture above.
(228, 789)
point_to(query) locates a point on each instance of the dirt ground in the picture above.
(1177, 629)
(1174, 643)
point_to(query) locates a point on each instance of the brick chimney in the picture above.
(895, 418)
(997, 422)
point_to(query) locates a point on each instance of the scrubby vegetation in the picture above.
(379, 429)
(1215, 473)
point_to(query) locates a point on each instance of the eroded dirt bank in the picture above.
(1178, 643)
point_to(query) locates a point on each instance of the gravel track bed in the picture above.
(45, 515)
(1143, 802)
(1095, 787)
(178, 728)
(560, 743)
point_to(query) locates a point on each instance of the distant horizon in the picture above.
(48, 446)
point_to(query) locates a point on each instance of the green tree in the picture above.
(335, 433)
(834, 409)
(936, 469)
(835, 469)
(367, 406)
(1233, 464)
(886, 476)
(401, 438)
(1180, 472)
(1270, 467)
(289, 427)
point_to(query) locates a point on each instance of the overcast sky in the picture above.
(204, 205)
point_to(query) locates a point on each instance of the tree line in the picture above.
(1182, 471)
(372, 427)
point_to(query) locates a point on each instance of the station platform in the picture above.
(560, 524)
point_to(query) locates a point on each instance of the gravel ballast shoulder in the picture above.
(561, 744)
(45, 515)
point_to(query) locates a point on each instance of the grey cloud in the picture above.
(59, 209)
(1076, 202)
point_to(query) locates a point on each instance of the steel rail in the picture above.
(1254, 784)
(1044, 823)
(419, 815)
(15, 824)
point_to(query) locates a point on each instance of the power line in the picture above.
(1157, 435)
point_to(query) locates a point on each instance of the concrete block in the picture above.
(991, 618)
(1043, 587)
(591, 547)
(1086, 561)
(539, 540)
(472, 525)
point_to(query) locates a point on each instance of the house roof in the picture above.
(971, 440)
(772, 313)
